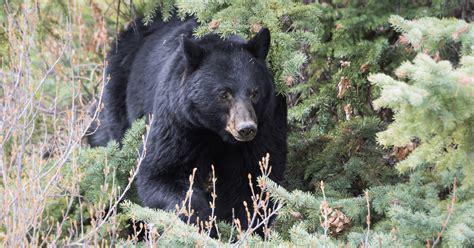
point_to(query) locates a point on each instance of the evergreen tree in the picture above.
(357, 40)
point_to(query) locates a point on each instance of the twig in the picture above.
(450, 212)
(259, 203)
(324, 209)
(117, 202)
(366, 193)
(212, 204)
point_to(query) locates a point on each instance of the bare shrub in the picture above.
(47, 80)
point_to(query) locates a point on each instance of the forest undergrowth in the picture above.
(381, 116)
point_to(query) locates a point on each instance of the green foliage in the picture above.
(356, 40)
(407, 214)
(150, 8)
(292, 26)
(434, 102)
(108, 169)
(424, 38)
(352, 161)
(174, 231)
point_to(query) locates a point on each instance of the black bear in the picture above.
(213, 102)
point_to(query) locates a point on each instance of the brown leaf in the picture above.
(359, 144)
(342, 87)
(364, 67)
(416, 45)
(436, 57)
(345, 63)
(297, 215)
(403, 39)
(458, 33)
(402, 152)
(346, 130)
(213, 25)
(339, 26)
(256, 27)
(289, 80)
(465, 79)
(348, 111)
(401, 74)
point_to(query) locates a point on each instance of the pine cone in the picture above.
(336, 221)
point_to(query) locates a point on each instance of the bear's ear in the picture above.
(192, 51)
(260, 44)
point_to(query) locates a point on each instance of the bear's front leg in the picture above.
(167, 192)
(163, 177)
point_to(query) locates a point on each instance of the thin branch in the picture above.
(450, 212)
(366, 193)
(121, 197)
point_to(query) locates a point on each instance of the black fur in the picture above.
(161, 70)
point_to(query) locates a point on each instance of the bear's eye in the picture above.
(224, 95)
(254, 94)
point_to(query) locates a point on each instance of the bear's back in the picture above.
(155, 66)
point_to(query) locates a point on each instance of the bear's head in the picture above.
(229, 89)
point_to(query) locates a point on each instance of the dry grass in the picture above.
(260, 211)
(48, 79)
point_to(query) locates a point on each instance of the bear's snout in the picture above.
(247, 130)
(242, 122)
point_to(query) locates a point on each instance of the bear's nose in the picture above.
(247, 129)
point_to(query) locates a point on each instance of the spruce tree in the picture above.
(357, 40)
